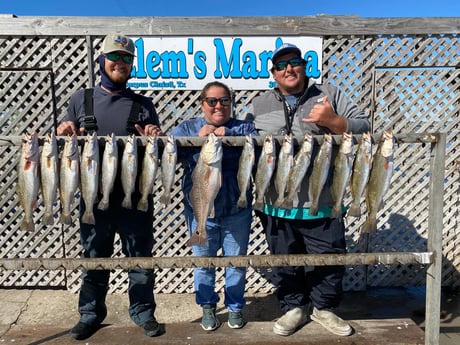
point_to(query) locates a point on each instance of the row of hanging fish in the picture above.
(90, 173)
(362, 172)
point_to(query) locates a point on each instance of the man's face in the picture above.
(291, 79)
(118, 71)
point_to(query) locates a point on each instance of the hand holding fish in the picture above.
(149, 130)
(323, 115)
(69, 128)
(206, 130)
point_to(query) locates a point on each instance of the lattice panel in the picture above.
(348, 64)
(417, 51)
(407, 100)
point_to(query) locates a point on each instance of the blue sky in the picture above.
(362, 8)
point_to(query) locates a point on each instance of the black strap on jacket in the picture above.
(134, 114)
(90, 122)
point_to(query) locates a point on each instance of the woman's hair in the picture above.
(214, 84)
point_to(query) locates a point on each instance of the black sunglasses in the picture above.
(212, 101)
(116, 56)
(294, 62)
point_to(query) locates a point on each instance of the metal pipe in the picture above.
(232, 261)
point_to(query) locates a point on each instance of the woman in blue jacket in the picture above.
(230, 227)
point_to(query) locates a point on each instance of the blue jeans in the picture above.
(135, 230)
(231, 233)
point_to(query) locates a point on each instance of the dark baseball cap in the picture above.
(286, 48)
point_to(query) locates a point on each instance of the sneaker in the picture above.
(82, 331)
(209, 322)
(235, 319)
(331, 322)
(151, 328)
(291, 321)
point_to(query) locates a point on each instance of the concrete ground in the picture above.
(378, 316)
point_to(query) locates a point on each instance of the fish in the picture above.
(343, 164)
(284, 165)
(246, 164)
(109, 168)
(318, 178)
(168, 169)
(89, 170)
(150, 165)
(360, 174)
(28, 179)
(265, 168)
(379, 180)
(49, 176)
(129, 170)
(207, 181)
(69, 177)
(299, 169)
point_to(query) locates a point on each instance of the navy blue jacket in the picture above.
(225, 203)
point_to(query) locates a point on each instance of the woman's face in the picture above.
(218, 114)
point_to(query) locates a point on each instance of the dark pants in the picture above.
(135, 231)
(297, 286)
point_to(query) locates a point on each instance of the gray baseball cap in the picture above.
(118, 42)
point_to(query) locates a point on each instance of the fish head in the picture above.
(211, 151)
(307, 143)
(269, 145)
(287, 146)
(170, 144)
(152, 145)
(387, 143)
(346, 146)
(30, 145)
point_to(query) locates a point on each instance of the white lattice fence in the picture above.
(389, 76)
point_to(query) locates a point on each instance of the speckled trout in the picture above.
(168, 169)
(89, 169)
(360, 175)
(69, 177)
(150, 165)
(246, 164)
(49, 175)
(129, 170)
(299, 169)
(109, 169)
(284, 165)
(320, 173)
(265, 167)
(343, 164)
(28, 179)
(379, 180)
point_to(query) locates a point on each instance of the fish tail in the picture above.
(48, 218)
(242, 202)
(279, 202)
(197, 240)
(258, 205)
(370, 225)
(355, 210)
(65, 218)
(165, 198)
(287, 204)
(143, 205)
(28, 224)
(127, 202)
(336, 212)
(88, 218)
(313, 211)
(103, 204)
